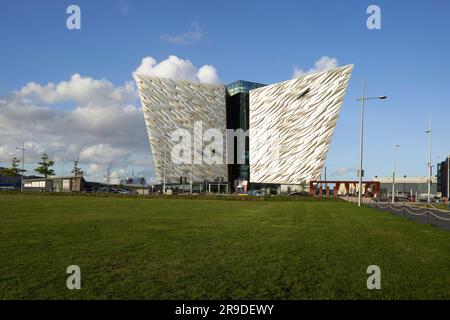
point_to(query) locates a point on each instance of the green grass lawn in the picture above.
(211, 249)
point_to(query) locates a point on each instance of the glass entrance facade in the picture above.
(238, 118)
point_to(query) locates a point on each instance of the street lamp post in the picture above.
(191, 182)
(22, 170)
(404, 186)
(165, 165)
(63, 159)
(429, 160)
(393, 172)
(360, 174)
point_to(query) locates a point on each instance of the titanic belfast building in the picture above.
(288, 128)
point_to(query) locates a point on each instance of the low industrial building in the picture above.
(12, 183)
(404, 185)
(55, 184)
(9, 183)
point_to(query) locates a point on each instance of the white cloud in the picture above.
(89, 118)
(208, 74)
(177, 68)
(323, 64)
(102, 125)
(102, 153)
(79, 89)
(193, 35)
(173, 68)
(342, 171)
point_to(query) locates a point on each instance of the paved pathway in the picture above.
(437, 217)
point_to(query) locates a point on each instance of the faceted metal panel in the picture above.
(177, 104)
(292, 124)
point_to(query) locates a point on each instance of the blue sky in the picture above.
(408, 60)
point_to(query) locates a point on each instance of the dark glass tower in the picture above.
(238, 118)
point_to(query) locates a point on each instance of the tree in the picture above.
(15, 166)
(77, 170)
(45, 166)
(78, 173)
(108, 173)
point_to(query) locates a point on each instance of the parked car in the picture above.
(106, 190)
(423, 197)
(402, 199)
(123, 191)
(299, 193)
(255, 193)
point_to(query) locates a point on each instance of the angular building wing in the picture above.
(169, 105)
(292, 124)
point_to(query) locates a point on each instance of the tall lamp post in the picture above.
(191, 182)
(167, 136)
(404, 187)
(393, 172)
(22, 170)
(165, 165)
(360, 174)
(63, 156)
(429, 160)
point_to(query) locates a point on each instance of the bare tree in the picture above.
(108, 173)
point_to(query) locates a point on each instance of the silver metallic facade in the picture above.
(177, 104)
(292, 124)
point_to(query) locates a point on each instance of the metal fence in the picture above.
(427, 215)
